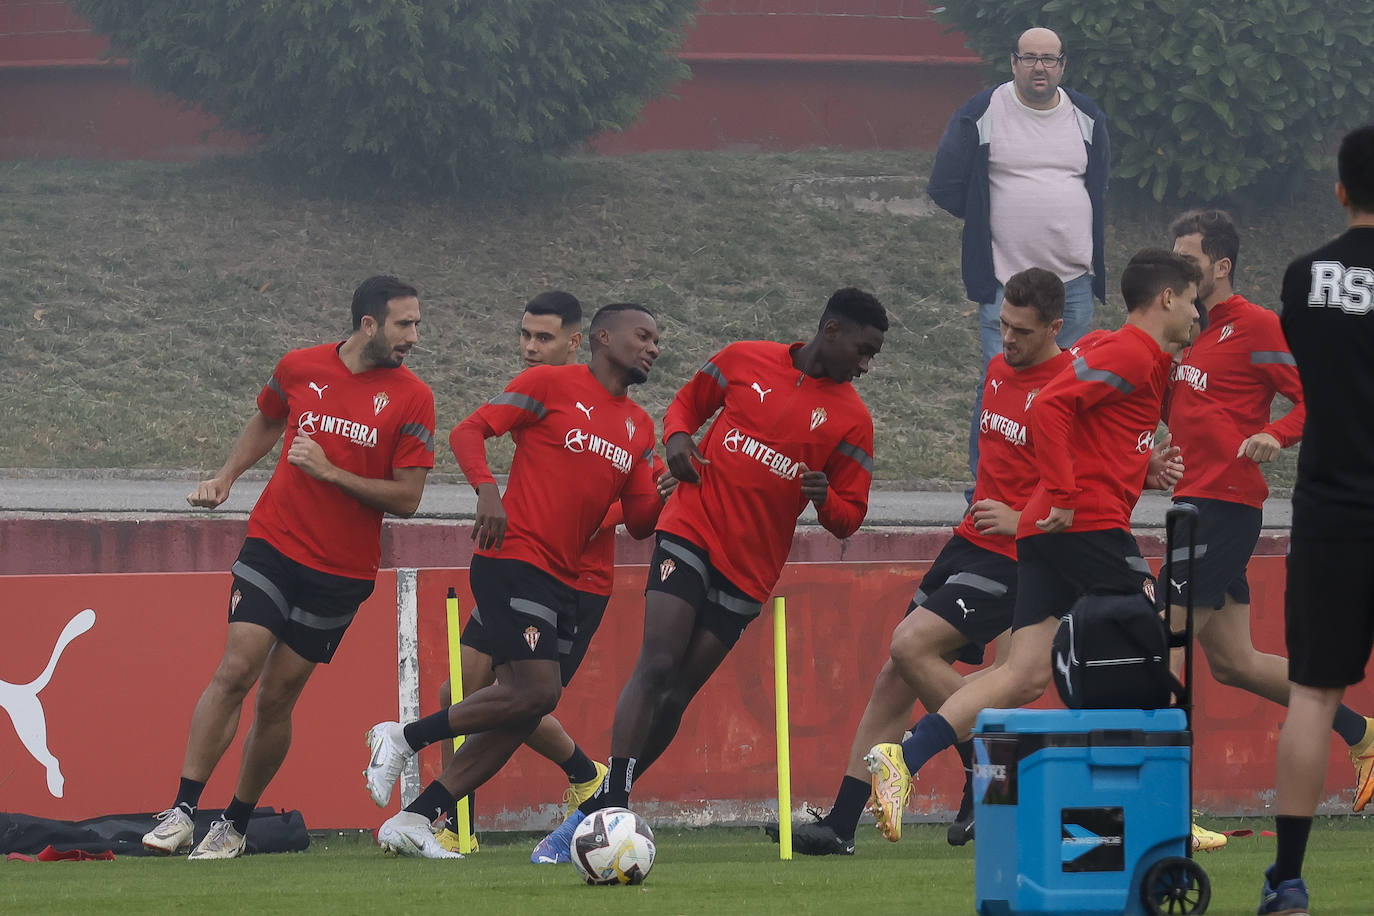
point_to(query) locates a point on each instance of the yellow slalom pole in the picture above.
(455, 680)
(784, 741)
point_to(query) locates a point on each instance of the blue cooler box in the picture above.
(1073, 806)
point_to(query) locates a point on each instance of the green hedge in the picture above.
(1202, 98)
(426, 92)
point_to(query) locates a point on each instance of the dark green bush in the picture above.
(1202, 98)
(426, 92)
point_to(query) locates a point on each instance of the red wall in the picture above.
(121, 695)
(769, 74)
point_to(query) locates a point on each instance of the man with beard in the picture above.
(359, 443)
(581, 445)
(789, 429)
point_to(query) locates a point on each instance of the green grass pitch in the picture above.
(714, 870)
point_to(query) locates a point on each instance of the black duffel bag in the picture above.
(1112, 652)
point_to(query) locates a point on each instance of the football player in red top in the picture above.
(550, 335)
(569, 423)
(1218, 410)
(359, 442)
(965, 600)
(789, 429)
(1093, 429)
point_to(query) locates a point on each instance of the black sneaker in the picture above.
(820, 840)
(960, 832)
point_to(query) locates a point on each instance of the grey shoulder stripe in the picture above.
(276, 386)
(711, 369)
(1281, 357)
(648, 454)
(522, 401)
(861, 457)
(1087, 373)
(419, 431)
(981, 583)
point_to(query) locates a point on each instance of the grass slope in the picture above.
(713, 870)
(142, 305)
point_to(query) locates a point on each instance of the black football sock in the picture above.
(579, 767)
(188, 796)
(432, 729)
(849, 806)
(615, 788)
(1350, 725)
(1292, 842)
(238, 814)
(965, 749)
(432, 802)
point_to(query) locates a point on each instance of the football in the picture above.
(613, 846)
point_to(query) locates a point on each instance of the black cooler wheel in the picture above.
(1176, 885)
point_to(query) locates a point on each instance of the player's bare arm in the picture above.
(1059, 519)
(1166, 465)
(489, 528)
(681, 453)
(815, 485)
(399, 496)
(1259, 448)
(991, 516)
(260, 433)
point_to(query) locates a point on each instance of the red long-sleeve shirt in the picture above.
(1093, 428)
(1221, 394)
(1006, 458)
(772, 419)
(577, 451)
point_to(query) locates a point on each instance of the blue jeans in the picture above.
(1078, 318)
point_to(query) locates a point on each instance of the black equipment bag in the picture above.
(1111, 651)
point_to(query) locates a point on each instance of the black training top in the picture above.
(1328, 318)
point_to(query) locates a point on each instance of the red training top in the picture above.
(1093, 428)
(577, 451)
(773, 418)
(1006, 459)
(1220, 395)
(598, 560)
(366, 424)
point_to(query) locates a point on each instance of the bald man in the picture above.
(1024, 165)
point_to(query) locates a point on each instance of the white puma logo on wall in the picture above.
(21, 702)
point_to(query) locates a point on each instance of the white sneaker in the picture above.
(222, 842)
(172, 835)
(410, 834)
(389, 751)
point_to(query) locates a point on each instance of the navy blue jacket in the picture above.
(959, 184)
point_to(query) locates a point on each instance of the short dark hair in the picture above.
(557, 302)
(373, 294)
(605, 313)
(1153, 270)
(1039, 289)
(853, 304)
(1219, 236)
(1355, 166)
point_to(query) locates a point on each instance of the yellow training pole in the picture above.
(784, 742)
(455, 680)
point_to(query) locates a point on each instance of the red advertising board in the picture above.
(114, 711)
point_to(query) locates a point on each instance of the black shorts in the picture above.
(1329, 610)
(974, 590)
(682, 569)
(1227, 533)
(1055, 570)
(521, 613)
(306, 609)
(590, 609)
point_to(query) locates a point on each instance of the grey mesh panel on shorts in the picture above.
(735, 605)
(289, 612)
(686, 556)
